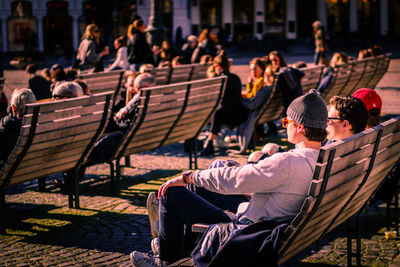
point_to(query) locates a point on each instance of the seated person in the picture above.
(65, 90)
(256, 79)
(105, 148)
(188, 49)
(3, 102)
(121, 60)
(10, 125)
(279, 185)
(231, 111)
(362, 54)
(373, 103)
(327, 77)
(347, 116)
(39, 85)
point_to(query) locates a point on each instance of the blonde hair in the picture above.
(21, 97)
(89, 32)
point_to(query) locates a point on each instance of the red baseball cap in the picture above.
(370, 98)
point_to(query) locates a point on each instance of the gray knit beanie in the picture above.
(309, 110)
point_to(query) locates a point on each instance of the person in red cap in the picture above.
(373, 102)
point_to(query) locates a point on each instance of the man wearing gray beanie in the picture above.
(278, 185)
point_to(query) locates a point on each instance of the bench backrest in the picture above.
(312, 77)
(172, 113)
(273, 107)
(357, 71)
(346, 175)
(182, 73)
(100, 82)
(55, 137)
(382, 65)
(339, 81)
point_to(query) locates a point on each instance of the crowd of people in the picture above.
(274, 183)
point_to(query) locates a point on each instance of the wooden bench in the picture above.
(168, 114)
(181, 73)
(272, 109)
(347, 174)
(312, 77)
(349, 77)
(55, 137)
(100, 82)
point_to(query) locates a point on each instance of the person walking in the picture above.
(321, 47)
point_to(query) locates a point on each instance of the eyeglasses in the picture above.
(56, 96)
(334, 119)
(286, 122)
(96, 31)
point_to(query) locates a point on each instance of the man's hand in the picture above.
(177, 181)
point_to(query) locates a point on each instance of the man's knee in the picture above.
(173, 195)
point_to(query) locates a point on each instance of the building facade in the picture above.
(55, 26)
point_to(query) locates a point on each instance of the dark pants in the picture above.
(182, 207)
(227, 116)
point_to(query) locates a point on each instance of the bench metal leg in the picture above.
(356, 234)
(42, 184)
(117, 176)
(128, 161)
(112, 176)
(192, 154)
(396, 212)
(76, 187)
(72, 185)
(392, 212)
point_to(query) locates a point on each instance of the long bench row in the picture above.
(101, 82)
(58, 136)
(347, 79)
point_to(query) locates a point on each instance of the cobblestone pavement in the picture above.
(43, 231)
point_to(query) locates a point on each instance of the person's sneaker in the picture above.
(139, 259)
(155, 246)
(152, 211)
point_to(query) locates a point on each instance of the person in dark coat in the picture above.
(188, 49)
(231, 112)
(39, 85)
(139, 51)
(10, 125)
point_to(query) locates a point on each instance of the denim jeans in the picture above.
(182, 207)
(178, 208)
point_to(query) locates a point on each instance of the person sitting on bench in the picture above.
(279, 185)
(10, 125)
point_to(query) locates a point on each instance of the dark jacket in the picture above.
(3, 105)
(232, 97)
(187, 53)
(10, 127)
(206, 47)
(230, 244)
(139, 50)
(290, 85)
(40, 87)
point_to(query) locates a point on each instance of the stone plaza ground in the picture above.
(43, 231)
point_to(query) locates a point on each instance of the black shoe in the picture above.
(208, 149)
